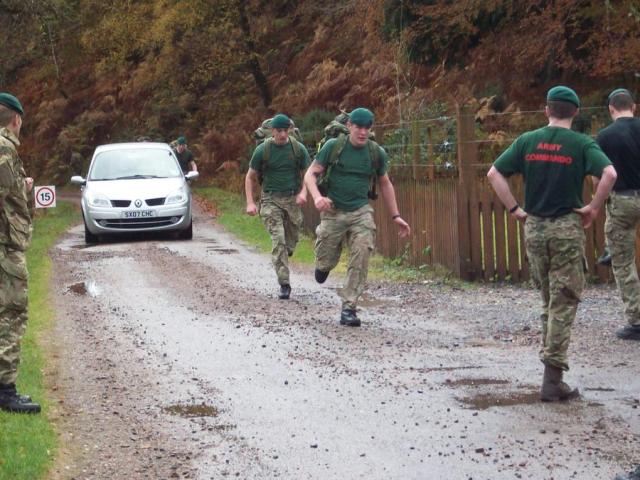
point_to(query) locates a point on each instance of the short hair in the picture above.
(621, 101)
(6, 115)
(561, 110)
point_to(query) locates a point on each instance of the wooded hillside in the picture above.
(90, 71)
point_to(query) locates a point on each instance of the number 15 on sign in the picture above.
(45, 196)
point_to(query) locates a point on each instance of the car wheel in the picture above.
(187, 233)
(89, 237)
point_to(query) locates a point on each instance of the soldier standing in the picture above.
(15, 236)
(185, 156)
(554, 161)
(620, 141)
(345, 214)
(278, 163)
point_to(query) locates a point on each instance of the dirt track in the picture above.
(176, 360)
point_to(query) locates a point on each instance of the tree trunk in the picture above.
(252, 56)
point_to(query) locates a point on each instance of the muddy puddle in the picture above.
(488, 400)
(191, 411)
(444, 369)
(474, 382)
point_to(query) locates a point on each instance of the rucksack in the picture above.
(262, 134)
(337, 127)
(334, 157)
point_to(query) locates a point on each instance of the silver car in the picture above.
(135, 187)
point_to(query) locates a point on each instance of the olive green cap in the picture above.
(11, 102)
(181, 141)
(563, 94)
(280, 121)
(618, 91)
(362, 117)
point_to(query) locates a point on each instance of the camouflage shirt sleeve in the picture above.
(6, 173)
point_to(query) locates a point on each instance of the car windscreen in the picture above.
(134, 163)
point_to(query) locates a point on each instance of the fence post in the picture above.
(415, 145)
(431, 169)
(467, 160)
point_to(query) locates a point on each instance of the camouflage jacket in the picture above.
(15, 219)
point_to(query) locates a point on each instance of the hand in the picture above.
(252, 209)
(588, 214)
(404, 228)
(301, 198)
(520, 215)
(323, 204)
(28, 182)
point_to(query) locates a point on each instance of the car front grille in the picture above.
(131, 223)
(120, 203)
(154, 202)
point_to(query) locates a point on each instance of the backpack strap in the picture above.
(374, 154)
(265, 153)
(296, 146)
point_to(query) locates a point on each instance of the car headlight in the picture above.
(98, 200)
(179, 196)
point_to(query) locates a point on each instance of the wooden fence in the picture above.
(458, 222)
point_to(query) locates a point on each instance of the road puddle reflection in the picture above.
(85, 288)
(191, 411)
(224, 251)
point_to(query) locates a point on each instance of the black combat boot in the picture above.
(321, 276)
(11, 401)
(553, 388)
(605, 258)
(348, 317)
(630, 332)
(285, 291)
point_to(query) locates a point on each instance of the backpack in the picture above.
(262, 134)
(334, 157)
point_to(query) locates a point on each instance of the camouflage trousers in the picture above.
(358, 231)
(13, 311)
(623, 218)
(555, 247)
(282, 218)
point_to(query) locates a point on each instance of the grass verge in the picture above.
(28, 442)
(231, 214)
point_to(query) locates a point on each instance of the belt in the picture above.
(627, 193)
(285, 193)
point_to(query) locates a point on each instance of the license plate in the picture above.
(139, 214)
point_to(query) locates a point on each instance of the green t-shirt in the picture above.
(553, 162)
(283, 168)
(350, 177)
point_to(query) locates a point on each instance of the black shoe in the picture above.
(635, 475)
(348, 317)
(11, 401)
(285, 291)
(605, 259)
(321, 276)
(630, 332)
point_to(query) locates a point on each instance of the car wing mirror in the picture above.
(191, 176)
(78, 180)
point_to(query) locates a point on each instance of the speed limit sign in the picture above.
(45, 196)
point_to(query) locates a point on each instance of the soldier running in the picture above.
(279, 162)
(345, 213)
(554, 161)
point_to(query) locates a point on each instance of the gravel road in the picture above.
(175, 359)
